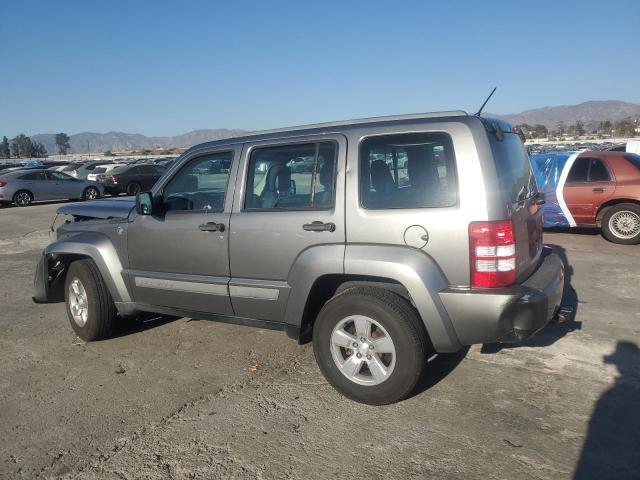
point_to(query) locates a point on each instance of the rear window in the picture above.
(515, 176)
(99, 170)
(415, 170)
(634, 159)
(69, 168)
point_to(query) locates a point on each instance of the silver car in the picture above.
(22, 187)
(402, 236)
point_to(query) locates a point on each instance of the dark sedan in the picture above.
(130, 179)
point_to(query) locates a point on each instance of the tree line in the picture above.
(622, 128)
(22, 146)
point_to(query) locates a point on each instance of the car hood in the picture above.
(107, 208)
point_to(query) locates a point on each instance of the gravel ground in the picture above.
(178, 399)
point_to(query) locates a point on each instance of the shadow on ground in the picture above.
(141, 323)
(437, 369)
(553, 331)
(611, 449)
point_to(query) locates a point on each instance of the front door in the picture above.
(291, 205)
(589, 184)
(179, 257)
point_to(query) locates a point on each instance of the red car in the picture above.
(603, 189)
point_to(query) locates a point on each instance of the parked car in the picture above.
(131, 179)
(603, 189)
(81, 170)
(99, 172)
(379, 273)
(22, 187)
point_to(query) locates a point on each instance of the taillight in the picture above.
(2, 184)
(492, 253)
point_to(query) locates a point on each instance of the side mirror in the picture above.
(144, 203)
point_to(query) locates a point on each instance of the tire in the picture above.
(621, 224)
(399, 322)
(23, 198)
(133, 188)
(99, 316)
(91, 193)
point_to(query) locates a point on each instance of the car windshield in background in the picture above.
(634, 159)
(99, 170)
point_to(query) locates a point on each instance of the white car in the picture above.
(101, 170)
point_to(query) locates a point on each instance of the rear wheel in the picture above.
(90, 308)
(133, 188)
(370, 345)
(91, 193)
(621, 224)
(23, 198)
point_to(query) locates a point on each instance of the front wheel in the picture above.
(621, 224)
(90, 308)
(91, 193)
(370, 345)
(133, 188)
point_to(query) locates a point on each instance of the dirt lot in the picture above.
(196, 399)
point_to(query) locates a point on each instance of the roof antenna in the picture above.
(485, 102)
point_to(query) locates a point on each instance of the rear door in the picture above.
(589, 184)
(519, 193)
(39, 185)
(279, 214)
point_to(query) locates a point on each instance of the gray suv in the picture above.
(405, 236)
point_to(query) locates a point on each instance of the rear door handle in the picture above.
(318, 226)
(599, 189)
(211, 227)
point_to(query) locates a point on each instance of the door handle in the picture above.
(211, 227)
(599, 189)
(318, 226)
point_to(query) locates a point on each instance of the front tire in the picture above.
(91, 193)
(621, 224)
(370, 345)
(23, 198)
(133, 188)
(90, 308)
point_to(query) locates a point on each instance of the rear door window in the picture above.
(415, 170)
(291, 177)
(587, 169)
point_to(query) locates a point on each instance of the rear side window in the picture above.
(292, 177)
(34, 176)
(515, 176)
(586, 169)
(634, 159)
(415, 170)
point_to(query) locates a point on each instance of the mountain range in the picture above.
(590, 113)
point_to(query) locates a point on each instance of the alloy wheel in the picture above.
(363, 350)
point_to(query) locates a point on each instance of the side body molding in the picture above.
(310, 265)
(419, 274)
(99, 248)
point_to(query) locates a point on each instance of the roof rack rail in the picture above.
(387, 118)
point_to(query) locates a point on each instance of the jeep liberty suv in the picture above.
(401, 237)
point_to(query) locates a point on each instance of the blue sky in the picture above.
(168, 67)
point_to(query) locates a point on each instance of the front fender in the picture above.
(419, 274)
(100, 249)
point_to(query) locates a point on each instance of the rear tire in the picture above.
(90, 308)
(23, 198)
(621, 224)
(133, 188)
(366, 371)
(91, 193)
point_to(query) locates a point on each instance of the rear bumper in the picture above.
(508, 314)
